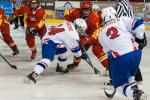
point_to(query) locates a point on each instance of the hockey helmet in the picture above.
(80, 26)
(34, 4)
(86, 7)
(86, 4)
(108, 14)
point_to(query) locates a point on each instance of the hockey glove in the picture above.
(84, 55)
(87, 40)
(142, 42)
(11, 19)
(32, 31)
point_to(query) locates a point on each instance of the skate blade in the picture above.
(17, 55)
(26, 80)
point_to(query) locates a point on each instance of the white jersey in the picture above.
(117, 36)
(65, 35)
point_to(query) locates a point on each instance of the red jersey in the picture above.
(2, 17)
(93, 21)
(73, 14)
(94, 24)
(34, 18)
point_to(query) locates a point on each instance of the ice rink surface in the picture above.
(79, 84)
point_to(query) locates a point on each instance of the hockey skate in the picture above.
(139, 95)
(31, 78)
(15, 51)
(72, 66)
(33, 55)
(61, 69)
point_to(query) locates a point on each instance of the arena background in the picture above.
(55, 8)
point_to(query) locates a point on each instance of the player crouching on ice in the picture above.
(54, 43)
(119, 37)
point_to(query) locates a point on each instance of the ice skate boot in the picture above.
(31, 78)
(15, 50)
(75, 63)
(61, 69)
(33, 55)
(139, 95)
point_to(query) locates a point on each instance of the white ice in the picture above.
(78, 84)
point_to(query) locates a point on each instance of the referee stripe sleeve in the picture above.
(124, 8)
(119, 11)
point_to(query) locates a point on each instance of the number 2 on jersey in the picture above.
(112, 32)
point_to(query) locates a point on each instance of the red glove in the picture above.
(87, 40)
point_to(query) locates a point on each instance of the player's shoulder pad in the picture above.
(75, 10)
(94, 14)
(137, 23)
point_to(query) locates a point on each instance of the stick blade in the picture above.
(14, 67)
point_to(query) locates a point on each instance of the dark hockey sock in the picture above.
(138, 76)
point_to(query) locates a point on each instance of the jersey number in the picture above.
(112, 32)
(54, 30)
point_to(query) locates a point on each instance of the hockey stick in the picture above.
(12, 66)
(1, 38)
(88, 60)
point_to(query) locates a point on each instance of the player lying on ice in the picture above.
(54, 43)
(123, 38)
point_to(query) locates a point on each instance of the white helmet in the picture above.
(80, 23)
(95, 7)
(108, 14)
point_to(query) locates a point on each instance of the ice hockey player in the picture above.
(35, 23)
(5, 30)
(93, 21)
(124, 8)
(119, 37)
(55, 42)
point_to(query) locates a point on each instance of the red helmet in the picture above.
(86, 4)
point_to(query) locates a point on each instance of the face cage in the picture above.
(80, 34)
